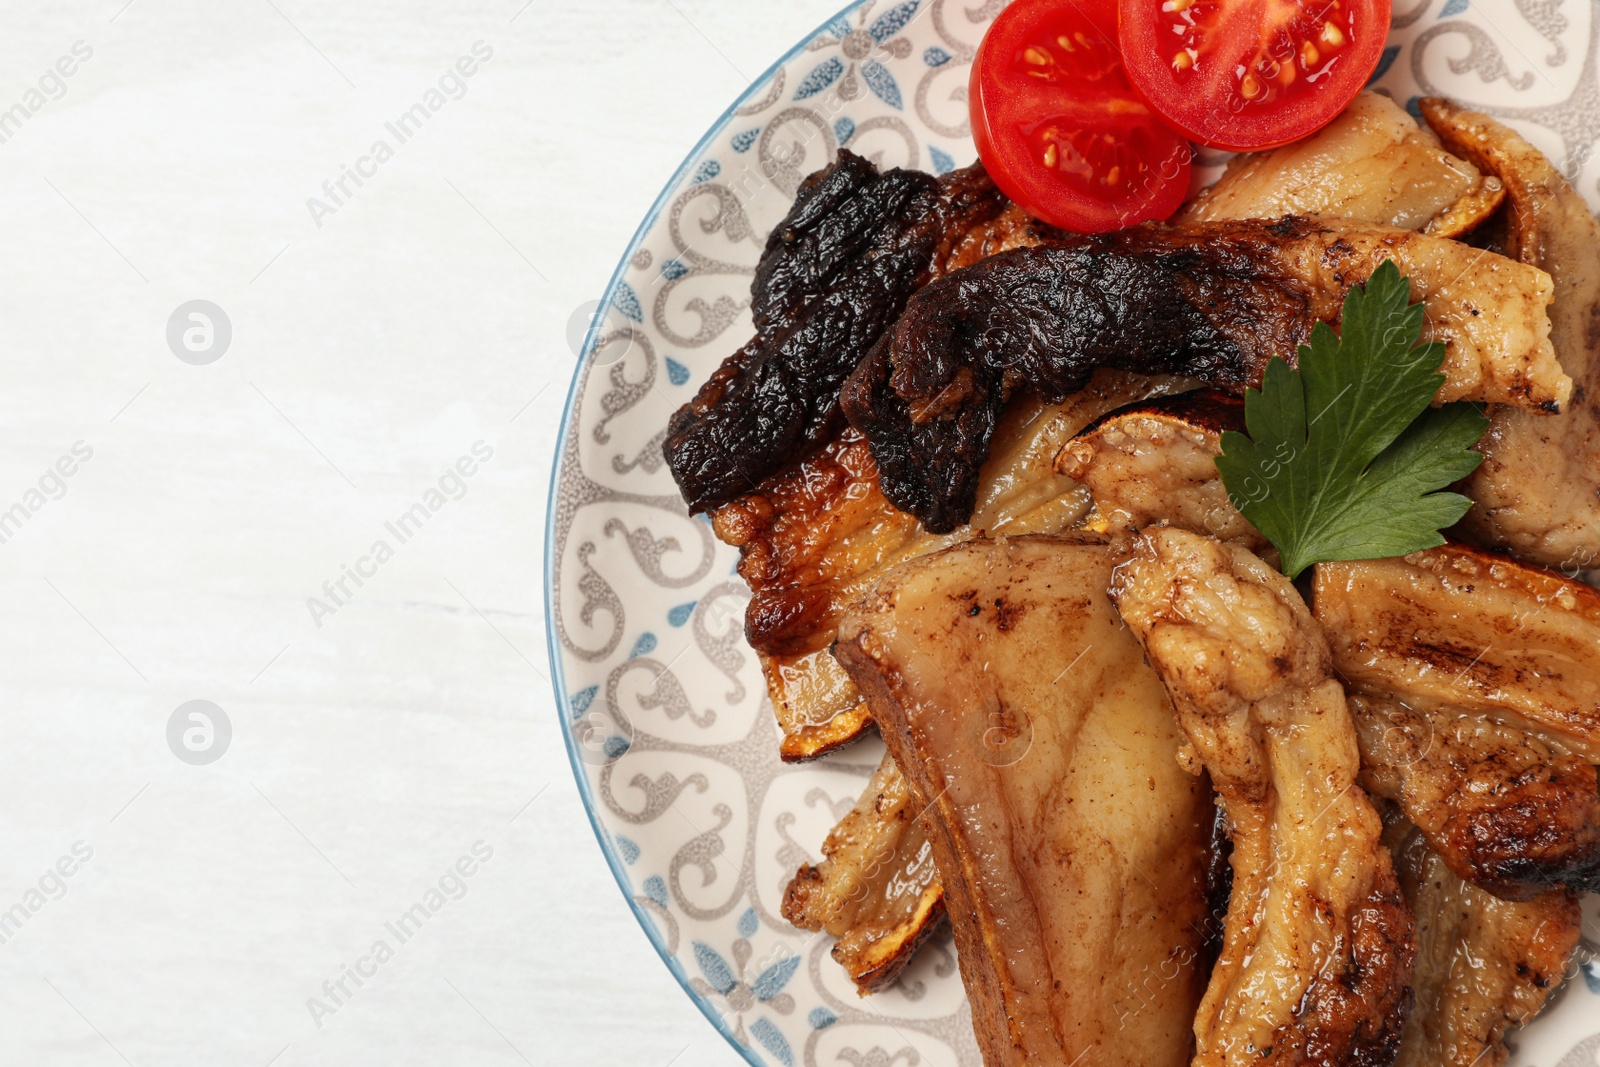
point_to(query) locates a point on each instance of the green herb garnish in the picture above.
(1344, 457)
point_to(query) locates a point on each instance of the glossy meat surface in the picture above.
(1317, 943)
(876, 890)
(1458, 627)
(1211, 301)
(1478, 695)
(1484, 965)
(1071, 845)
(1371, 164)
(1538, 489)
(815, 537)
(1459, 665)
(1155, 461)
(1505, 808)
(929, 395)
(835, 274)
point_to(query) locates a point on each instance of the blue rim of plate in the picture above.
(552, 639)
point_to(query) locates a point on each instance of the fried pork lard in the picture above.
(1317, 944)
(1484, 965)
(1538, 490)
(1479, 702)
(1372, 164)
(875, 890)
(836, 272)
(1071, 846)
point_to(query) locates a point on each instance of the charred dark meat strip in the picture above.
(1211, 301)
(836, 273)
(1152, 302)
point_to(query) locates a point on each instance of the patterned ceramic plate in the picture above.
(672, 740)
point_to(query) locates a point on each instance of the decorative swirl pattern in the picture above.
(785, 157)
(649, 458)
(900, 151)
(653, 673)
(598, 596)
(689, 265)
(624, 394)
(649, 551)
(1545, 16)
(1402, 19)
(951, 78)
(1576, 118)
(1483, 56)
(659, 792)
(665, 692)
(723, 607)
(702, 853)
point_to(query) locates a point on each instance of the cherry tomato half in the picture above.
(1059, 126)
(1251, 74)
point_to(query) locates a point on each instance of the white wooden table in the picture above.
(393, 736)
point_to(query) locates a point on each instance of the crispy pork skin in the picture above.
(876, 890)
(815, 537)
(1155, 461)
(1071, 845)
(815, 531)
(835, 273)
(1371, 164)
(1317, 944)
(1213, 301)
(1538, 489)
(1478, 695)
(1484, 965)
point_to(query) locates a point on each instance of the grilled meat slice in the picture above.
(1538, 488)
(820, 536)
(1213, 301)
(1474, 680)
(836, 272)
(1317, 944)
(1484, 965)
(875, 890)
(838, 215)
(817, 536)
(1479, 687)
(1155, 461)
(1507, 809)
(1372, 164)
(1071, 845)
(1459, 627)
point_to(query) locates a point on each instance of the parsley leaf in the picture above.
(1344, 458)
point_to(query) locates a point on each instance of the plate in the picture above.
(672, 741)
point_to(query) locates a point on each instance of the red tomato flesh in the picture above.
(1251, 74)
(1060, 127)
